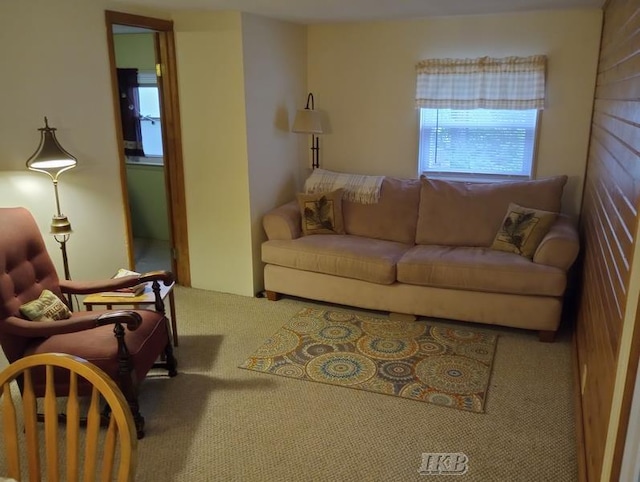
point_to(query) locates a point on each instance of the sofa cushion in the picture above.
(479, 269)
(470, 214)
(348, 256)
(522, 230)
(393, 218)
(321, 212)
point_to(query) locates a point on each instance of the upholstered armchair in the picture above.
(125, 344)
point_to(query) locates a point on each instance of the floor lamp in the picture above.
(53, 160)
(309, 121)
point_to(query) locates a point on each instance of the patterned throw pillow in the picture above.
(522, 230)
(321, 212)
(47, 307)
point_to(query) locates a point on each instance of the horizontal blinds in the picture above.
(147, 77)
(479, 141)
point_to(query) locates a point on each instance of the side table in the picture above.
(145, 298)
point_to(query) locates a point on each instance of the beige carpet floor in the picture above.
(217, 422)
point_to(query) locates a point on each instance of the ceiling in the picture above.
(317, 11)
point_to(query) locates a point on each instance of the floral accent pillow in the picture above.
(47, 307)
(321, 212)
(522, 230)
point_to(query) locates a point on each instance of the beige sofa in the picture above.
(425, 249)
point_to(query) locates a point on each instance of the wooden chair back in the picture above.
(92, 455)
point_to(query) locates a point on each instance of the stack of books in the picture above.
(129, 292)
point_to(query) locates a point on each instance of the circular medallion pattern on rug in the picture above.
(306, 324)
(313, 350)
(258, 364)
(387, 348)
(396, 372)
(417, 391)
(441, 399)
(338, 333)
(456, 336)
(280, 343)
(452, 374)
(478, 351)
(341, 368)
(432, 347)
(379, 385)
(337, 315)
(293, 371)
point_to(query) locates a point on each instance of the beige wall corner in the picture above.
(275, 65)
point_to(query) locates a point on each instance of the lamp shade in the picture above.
(50, 157)
(308, 121)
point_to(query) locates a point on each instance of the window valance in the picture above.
(482, 83)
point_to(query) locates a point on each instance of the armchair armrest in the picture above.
(283, 222)
(37, 329)
(89, 287)
(560, 246)
(132, 319)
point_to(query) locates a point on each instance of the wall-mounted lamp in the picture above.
(309, 121)
(53, 160)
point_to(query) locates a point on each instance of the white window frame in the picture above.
(148, 79)
(473, 176)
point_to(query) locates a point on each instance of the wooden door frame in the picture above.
(627, 398)
(171, 137)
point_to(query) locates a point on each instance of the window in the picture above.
(478, 117)
(486, 143)
(150, 114)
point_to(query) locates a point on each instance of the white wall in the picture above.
(363, 76)
(55, 64)
(274, 55)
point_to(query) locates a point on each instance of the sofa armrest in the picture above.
(560, 246)
(283, 222)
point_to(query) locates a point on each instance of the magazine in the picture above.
(129, 292)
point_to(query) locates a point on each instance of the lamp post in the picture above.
(51, 159)
(309, 121)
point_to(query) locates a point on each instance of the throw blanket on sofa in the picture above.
(357, 188)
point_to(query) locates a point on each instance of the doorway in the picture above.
(144, 82)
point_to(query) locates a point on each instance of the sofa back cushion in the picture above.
(470, 214)
(393, 218)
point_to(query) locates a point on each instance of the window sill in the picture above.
(145, 161)
(477, 178)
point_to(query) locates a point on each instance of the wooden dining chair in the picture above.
(89, 453)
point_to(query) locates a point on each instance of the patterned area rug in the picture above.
(414, 360)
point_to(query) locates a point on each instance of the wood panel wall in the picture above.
(608, 226)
